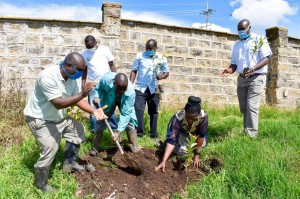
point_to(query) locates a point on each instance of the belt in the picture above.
(252, 75)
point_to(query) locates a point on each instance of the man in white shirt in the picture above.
(99, 61)
(250, 58)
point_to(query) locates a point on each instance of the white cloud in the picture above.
(52, 11)
(80, 12)
(211, 27)
(86, 13)
(152, 17)
(263, 14)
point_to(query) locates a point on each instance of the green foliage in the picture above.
(75, 113)
(191, 145)
(258, 44)
(266, 167)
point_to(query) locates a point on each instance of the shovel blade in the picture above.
(131, 163)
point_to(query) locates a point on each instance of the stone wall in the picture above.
(28, 46)
(283, 88)
(196, 57)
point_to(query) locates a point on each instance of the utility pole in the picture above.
(207, 12)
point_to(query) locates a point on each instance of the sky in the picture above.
(223, 15)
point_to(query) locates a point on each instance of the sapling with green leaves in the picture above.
(191, 146)
(258, 43)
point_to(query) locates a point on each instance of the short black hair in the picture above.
(89, 38)
(193, 105)
(151, 41)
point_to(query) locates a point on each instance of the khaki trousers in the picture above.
(48, 135)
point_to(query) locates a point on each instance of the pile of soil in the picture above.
(113, 179)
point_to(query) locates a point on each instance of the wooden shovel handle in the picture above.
(112, 133)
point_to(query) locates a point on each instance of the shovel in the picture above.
(126, 158)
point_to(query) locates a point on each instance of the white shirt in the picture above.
(243, 55)
(50, 85)
(97, 62)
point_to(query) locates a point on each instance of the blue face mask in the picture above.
(150, 53)
(77, 74)
(243, 34)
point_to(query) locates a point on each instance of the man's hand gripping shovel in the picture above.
(126, 158)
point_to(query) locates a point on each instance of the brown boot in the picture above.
(132, 138)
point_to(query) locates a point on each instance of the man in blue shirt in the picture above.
(113, 90)
(148, 67)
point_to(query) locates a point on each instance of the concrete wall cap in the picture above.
(44, 19)
(277, 27)
(112, 4)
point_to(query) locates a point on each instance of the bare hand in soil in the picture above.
(99, 114)
(197, 161)
(162, 166)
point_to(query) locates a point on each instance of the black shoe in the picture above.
(72, 167)
(140, 135)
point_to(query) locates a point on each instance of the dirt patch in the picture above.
(113, 178)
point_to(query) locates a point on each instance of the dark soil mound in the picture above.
(113, 178)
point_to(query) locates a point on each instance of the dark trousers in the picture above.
(152, 103)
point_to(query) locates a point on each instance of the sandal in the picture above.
(94, 152)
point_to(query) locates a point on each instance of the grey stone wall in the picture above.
(196, 57)
(283, 88)
(28, 46)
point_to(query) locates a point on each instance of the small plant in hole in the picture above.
(191, 145)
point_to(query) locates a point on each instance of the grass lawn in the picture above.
(266, 167)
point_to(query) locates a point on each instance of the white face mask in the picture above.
(92, 50)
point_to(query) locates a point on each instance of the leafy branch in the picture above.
(160, 60)
(257, 45)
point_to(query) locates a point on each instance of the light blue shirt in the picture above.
(50, 85)
(243, 55)
(106, 92)
(147, 69)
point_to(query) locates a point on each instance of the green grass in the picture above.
(266, 167)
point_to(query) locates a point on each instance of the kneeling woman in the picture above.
(189, 121)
